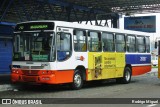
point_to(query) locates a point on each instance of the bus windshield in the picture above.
(33, 46)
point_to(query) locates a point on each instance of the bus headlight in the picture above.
(43, 72)
(47, 72)
(15, 71)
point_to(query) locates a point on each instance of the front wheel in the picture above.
(126, 76)
(77, 80)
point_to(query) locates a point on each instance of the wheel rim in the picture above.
(127, 75)
(77, 80)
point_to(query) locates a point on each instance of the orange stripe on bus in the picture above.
(65, 76)
(139, 70)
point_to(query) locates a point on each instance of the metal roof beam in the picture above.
(2, 5)
(3, 15)
(66, 4)
(8, 23)
(18, 13)
(24, 10)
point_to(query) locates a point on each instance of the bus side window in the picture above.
(131, 43)
(141, 44)
(63, 46)
(94, 41)
(120, 43)
(80, 41)
(108, 42)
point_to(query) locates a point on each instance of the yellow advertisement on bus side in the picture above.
(105, 65)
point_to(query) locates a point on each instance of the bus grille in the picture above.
(30, 72)
(29, 79)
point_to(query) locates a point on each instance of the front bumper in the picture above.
(42, 76)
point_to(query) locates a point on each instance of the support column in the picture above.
(114, 20)
(68, 9)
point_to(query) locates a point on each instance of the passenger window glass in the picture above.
(120, 43)
(80, 41)
(147, 44)
(141, 44)
(94, 41)
(108, 42)
(63, 46)
(131, 43)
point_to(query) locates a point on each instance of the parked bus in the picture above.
(56, 52)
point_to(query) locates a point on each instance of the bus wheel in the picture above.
(126, 76)
(77, 80)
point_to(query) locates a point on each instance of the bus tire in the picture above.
(77, 80)
(126, 76)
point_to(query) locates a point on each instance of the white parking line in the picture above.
(6, 87)
(152, 105)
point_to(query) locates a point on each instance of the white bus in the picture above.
(57, 52)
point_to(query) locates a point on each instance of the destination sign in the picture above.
(34, 26)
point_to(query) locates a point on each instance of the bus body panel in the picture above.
(94, 66)
(109, 65)
(105, 65)
(73, 61)
(62, 72)
(141, 63)
(120, 64)
(139, 70)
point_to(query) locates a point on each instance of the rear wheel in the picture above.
(126, 76)
(77, 80)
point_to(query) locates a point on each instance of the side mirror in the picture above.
(155, 46)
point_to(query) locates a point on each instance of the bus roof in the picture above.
(91, 27)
